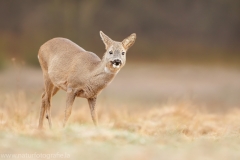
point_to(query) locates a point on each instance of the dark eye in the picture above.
(123, 53)
(110, 52)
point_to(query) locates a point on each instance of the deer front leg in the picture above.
(92, 102)
(70, 99)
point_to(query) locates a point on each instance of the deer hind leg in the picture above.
(92, 103)
(48, 115)
(69, 102)
(42, 112)
(46, 103)
(55, 90)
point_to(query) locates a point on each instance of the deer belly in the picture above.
(88, 92)
(59, 82)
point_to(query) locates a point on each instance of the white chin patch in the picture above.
(108, 70)
(116, 66)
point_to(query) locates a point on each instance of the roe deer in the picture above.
(80, 73)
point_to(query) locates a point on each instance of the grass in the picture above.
(176, 131)
(132, 124)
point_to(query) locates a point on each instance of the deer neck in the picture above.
(103, 73)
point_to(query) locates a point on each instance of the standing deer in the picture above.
(80, 73)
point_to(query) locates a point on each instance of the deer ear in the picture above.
(129, 41)
(106, 40)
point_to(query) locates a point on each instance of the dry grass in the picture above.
(176, 131)
(132, 124)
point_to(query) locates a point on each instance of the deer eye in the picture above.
(123, 53)
(110, 52)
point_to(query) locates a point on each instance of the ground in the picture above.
(149, 111)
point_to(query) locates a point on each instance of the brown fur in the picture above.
(80, 73)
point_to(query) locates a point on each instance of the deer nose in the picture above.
(117, 61)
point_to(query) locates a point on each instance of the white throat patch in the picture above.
(107, 70)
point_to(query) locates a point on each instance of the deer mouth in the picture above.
(116, 63)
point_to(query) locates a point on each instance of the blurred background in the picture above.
(167, 30)
(185, 50)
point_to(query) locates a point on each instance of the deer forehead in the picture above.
(117, 46)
